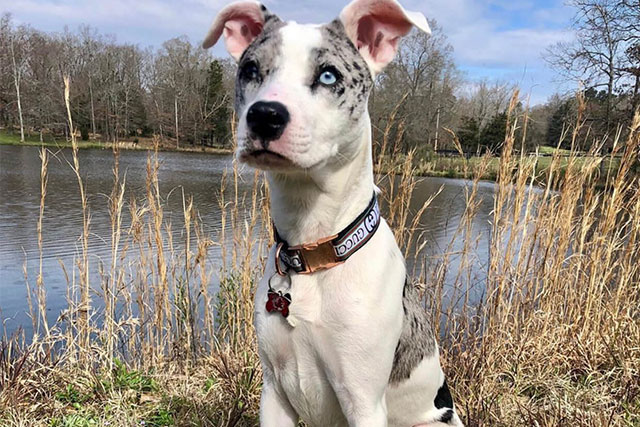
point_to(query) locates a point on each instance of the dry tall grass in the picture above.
(554, 341)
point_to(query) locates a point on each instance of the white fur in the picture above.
(310, 138)
(332, 368)
(329, 362)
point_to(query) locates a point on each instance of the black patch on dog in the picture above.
(447, 416)
(443, 398)
(416, 339)
(263, 51)
(355, 82)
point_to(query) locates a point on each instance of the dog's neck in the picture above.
(318, 204)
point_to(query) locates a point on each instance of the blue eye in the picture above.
(328, 78)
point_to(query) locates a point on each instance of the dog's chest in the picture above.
(293, 355)
(343, 324)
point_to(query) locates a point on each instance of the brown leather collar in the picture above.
(331, 251)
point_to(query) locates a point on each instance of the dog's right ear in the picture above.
(240, 23)
(376, 26)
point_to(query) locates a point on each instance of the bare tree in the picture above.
(18, 52)
(596, 56)
(119, 90)
(422, 81)
(6, 83)
(484, 99)
(630, 26)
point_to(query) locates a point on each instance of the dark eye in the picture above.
(328, 76)
(250, 71)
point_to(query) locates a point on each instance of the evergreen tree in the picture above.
(217, 125)
(560, 119)
(469, 134)
(493, 134)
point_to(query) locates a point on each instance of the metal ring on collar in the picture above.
(278, 268)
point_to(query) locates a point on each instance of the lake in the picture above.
(199, 175)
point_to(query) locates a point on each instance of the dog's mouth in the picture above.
(266, 159)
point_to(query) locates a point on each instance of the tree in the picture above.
(178, 79)
(469, 134)
(485, 99)
(633, 69)
(493, 134)
(18, 46)
(559, 121)
(5, 70)
(216, 105)
(596, 56)
(630, 25)
(420, 84)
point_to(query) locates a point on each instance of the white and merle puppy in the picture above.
(342, 338)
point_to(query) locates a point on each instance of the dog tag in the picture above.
(278, 303)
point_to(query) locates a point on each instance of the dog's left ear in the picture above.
(240, 23)
(376, 26)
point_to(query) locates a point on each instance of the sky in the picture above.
(500, 40)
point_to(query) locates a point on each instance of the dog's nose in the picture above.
(267, 120)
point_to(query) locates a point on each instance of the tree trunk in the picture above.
(636, 94)
(93, 111)
(159, 118)
(16, 81)
(435, 145)
(610, 85)
(126, 113)
(177, 130)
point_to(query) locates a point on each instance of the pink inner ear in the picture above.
(240, 23)
(239, 33)
(381, 34)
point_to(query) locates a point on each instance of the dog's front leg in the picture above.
(359, 378)
(275, 410)
(366, 414)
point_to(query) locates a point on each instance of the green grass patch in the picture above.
(10, 138)
(546, 149)
(72, 396)
(125, 379)
(75, 420)
(161, 417)
(462, 168)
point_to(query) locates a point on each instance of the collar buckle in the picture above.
(317, 256)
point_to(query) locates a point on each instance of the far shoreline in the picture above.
(125, 145)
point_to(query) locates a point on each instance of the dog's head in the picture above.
(302, 90)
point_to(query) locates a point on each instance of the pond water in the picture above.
(199, 175)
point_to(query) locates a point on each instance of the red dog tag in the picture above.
(278, 303)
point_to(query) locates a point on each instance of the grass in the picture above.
(554, 340)
(143, 144)
(9, 138)
(463, 168)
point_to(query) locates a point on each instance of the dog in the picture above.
(342, 336)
